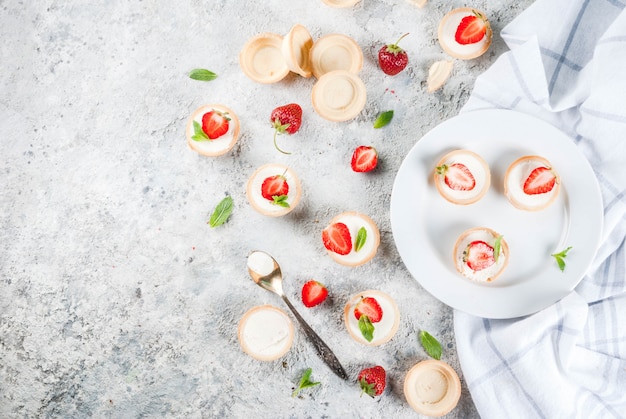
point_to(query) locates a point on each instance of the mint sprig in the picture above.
(383, 119)
(198, 133)
(280, 200)
(430, 344)
(366, 327)
(305, 382)
(202, 74)
(361, 237)
(496, 248)
(221, 212)
(560, 258)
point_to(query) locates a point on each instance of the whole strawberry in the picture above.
(373, 380)
(286, 118)
(393, 59)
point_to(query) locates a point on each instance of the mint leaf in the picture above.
(560, 258)
(496, 248)
(361, 237)
(202, 74)
(198, 134)
(383, 119)
(430, 344)
(366, 327)
(280, 200)
(221, 212)
(305, 382)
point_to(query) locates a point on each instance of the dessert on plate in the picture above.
(462, 177)
(371, 317)
(531, 183)
(432, 388)
(273, 190)
(351, 238)
(261, 58)
(465, 33)
(212, 130)
(481, 254)
(265, 333)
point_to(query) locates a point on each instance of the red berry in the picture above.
(369, 307)
(540, 180)
(373, 381)
(478, 255)
(313, 293)
(393, 59)
(457, 176)
(471, 29)
(215, 124)
(337, 239)
(274, 187)
(364, 159)
(286, 118)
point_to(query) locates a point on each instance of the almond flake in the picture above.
(438, 74)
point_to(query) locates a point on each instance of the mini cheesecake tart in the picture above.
(295, 48)
(432, 388)
(447, 30)
(341, 3)
(335, 52)
(354, 221)
(339, 96)
(462, 177)
(286, 203)
(265, 333)
(261, 58)
(385, 329)
(217, 146)
(537, 194)
(475, 254)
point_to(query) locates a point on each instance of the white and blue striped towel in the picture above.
(567, 66)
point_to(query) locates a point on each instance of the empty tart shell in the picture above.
(340, 3)
(261, 58)
(477, 167)
(339, 96)
(354, 221)
(514, 179)
(432, 388)
(383, 330)
(265, 333)
(295, 48)
(220, 145)
(265, 206)
(335, 52)
(489, 236)
(447, 30)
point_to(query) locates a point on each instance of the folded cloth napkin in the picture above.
(567, 66)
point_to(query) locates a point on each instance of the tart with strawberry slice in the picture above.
(371, 317)
(212, 130)
(481, 254)
(531, 183)
(465, 33)
(273, 190)
(462, 177)
(351, 238)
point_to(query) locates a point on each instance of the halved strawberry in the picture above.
(471, 29)
(369, 307)
(313, 293)
(336, 238)
(215, 124)
(364, 159)
(541, 180)
(457, 176)
(275, 188)
(478, 255)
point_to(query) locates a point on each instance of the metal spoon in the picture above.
(265, 271)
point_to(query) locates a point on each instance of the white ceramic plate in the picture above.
(425, 226)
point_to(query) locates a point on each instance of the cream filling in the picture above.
(515, 185)
(382, 328)
(485, 274)
(217, 145)
(449, 30)
(477, 170)
(354, 223)
(257, 182)
(260, 263)
(266, 332)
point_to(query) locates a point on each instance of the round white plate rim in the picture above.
(504, 131)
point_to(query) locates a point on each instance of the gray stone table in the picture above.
(116, 298)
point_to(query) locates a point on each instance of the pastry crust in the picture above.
(387, 303)
(447, 30)
(261, 58)
(373, 237)
(335, 52)
(432, 388)
(286, 327)
(339, 96)
(471, 196)
(296, 47)
(509, 193)
(460, 245)
(253, 189)
(228, 140)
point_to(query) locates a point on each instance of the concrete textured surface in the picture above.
(116, 298)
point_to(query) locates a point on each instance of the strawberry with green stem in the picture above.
(457, 176)
(276, 189)
(286, 119)
(393, 59)
(372, 381)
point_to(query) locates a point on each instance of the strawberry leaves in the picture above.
(305, 382)
(221, 212)
(202, 74)
(560, 258)
(430, 344)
